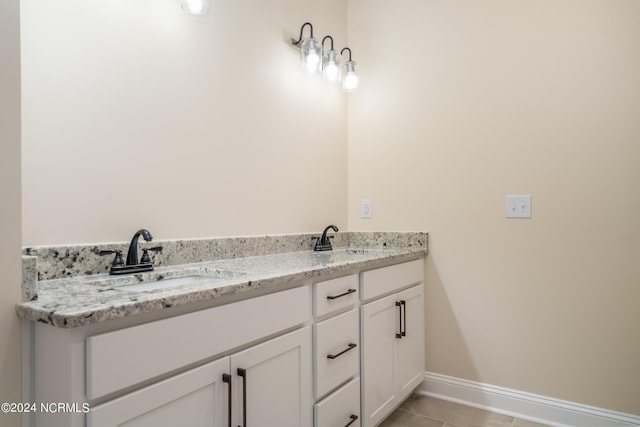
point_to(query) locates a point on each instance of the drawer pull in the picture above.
(349, 291)
(399, 333)
(243, 373)
(353, 420)
(227, 379)
(404, 317)
(350, 347)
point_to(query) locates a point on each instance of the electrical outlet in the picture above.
(366, 209)
(518, 207)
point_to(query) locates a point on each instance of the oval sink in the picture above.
(175, 282)
(166, 283)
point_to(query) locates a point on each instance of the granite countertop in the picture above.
(83, 300)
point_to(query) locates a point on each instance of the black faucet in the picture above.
(132, 265)
(324, 242)
(132, 255)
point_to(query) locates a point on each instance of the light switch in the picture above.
(518, 207)
(366, 209)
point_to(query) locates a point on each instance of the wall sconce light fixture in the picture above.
(351, 81)
(310, 50)
(331, 69)
(316, 59)
(196, 7)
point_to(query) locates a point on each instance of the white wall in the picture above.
(10, 262)
(464, 102)
(137, 114)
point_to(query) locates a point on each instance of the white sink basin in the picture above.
(166, 283)
(176, 282)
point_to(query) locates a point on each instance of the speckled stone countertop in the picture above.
(85, 299)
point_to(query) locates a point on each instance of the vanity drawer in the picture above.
(337, 351)
(386, 280)
(333, 295)
(341, 408)
(119, 359)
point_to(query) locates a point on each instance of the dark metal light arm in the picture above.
(346, 48)
(327, 37)
(297, 42)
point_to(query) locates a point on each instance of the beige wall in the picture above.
(10, 264)
(464, 102)
(137, 114)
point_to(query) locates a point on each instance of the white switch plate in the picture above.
(518, 207)
(366, 209)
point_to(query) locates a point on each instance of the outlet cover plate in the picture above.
(366, 208)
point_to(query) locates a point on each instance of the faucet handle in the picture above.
(117, 260)
(145, 259)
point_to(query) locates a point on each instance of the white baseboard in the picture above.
(527, 406)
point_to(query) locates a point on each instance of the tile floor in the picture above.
(423, 411)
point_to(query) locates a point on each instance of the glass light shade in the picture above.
(331, 69)
(311, 53)
(350, 81)
(197, 7)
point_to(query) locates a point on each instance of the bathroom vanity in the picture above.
(289, 339)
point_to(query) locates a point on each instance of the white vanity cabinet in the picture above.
(250, 359)
(392, 322)
(331, 353)
(268, 384)
(337, 352)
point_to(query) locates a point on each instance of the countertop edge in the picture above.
(33, 311)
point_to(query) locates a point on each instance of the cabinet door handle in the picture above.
(403, 330)
(399, 305)
(243, 373)
(353, 420)
(351, 346)
(349, 291)
(227, 379)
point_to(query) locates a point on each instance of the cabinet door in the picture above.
(197, 397)
(272, 382)
(411, 345)
(380, 324)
